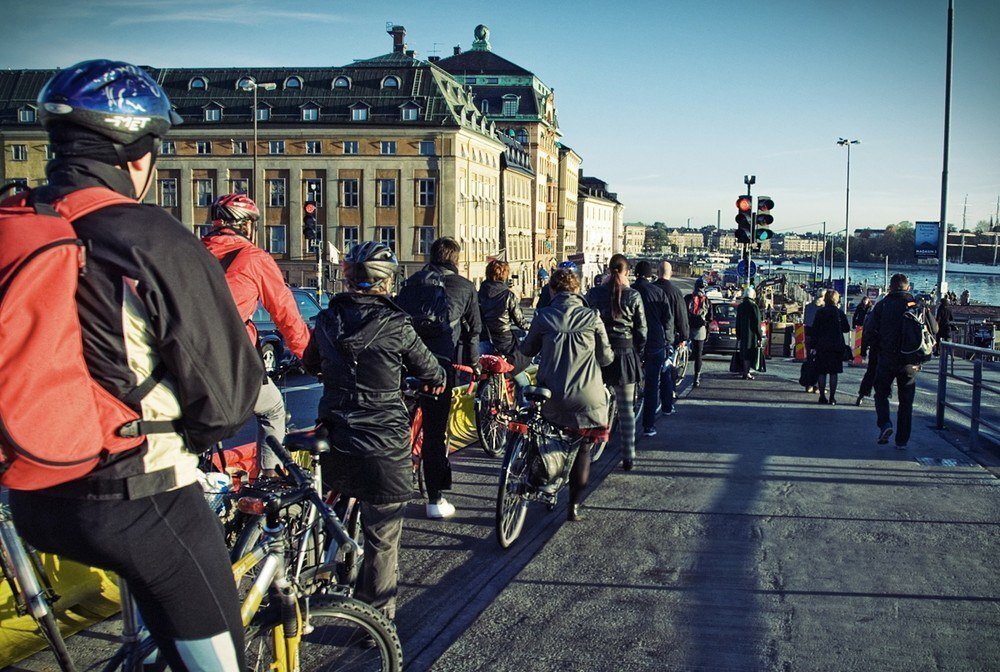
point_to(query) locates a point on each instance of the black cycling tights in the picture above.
(580, 474)
(169, 548)
(697, 350)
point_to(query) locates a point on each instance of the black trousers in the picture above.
(170, 550)
(905, 378)
(434, 451)
(698, 352)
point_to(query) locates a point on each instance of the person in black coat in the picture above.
(676, 333)
(658, 319)
(501, 311)
(362, 344)
(944, 320)
(829, 328)
(861, 312)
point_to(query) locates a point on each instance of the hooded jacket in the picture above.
(500, 311)
(574, 346)
(364, 345)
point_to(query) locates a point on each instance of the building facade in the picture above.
(597, 212)
(516, 183)
(791, 244)
(569, 188)
(635, 239)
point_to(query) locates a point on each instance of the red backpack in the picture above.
(55, 421)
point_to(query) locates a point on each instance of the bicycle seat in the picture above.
(306, 442)
(536, 394)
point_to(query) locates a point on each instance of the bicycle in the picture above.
(679, 361)
(495, 404)
(524, 476)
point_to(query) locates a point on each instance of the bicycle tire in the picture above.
(337, 629)
(511, 506)
(489, 423)
(680, 368)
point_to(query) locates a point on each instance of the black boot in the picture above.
(822, 397)
(573, 514)
(627, 463)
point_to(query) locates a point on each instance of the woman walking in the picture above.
(625, 320)
(829, 328)
(749, 334)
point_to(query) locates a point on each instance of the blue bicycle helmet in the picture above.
(117, 100)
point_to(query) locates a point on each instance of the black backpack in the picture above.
(916, 342)
(425, 300)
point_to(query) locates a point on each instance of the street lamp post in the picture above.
(844, 142)
(251, 85)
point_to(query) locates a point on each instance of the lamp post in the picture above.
(251, 85)
(844, 142)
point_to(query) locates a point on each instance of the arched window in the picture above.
(485, 106)
(293, 82)
(198, 83)
(342, 83)
(245, 82)
(521, 136)
(390, 82)
(510, 105)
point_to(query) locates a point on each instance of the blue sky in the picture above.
(671, 102)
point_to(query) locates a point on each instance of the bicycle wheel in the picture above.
(490, 416)
(416, 448)
(511, 505)
(681, 365)
(599, 446)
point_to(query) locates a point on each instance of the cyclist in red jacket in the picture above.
(253, 276)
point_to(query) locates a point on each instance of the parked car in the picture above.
(722, 329)
(270, 342)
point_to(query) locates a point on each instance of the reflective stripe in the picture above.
(214, 654)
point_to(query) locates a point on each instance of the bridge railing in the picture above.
(977, 357)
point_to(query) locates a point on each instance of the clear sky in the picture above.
(671, 102)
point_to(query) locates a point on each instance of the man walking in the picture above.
(658, 320)
(884, 330)
(676, 333)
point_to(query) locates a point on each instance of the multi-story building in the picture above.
(516, 184)
(569, 187)
(597, 213)
(390, 148)
(791, 244)
(635, 239)
(683, 240)
(518, 101)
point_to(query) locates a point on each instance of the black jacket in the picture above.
(860, 313)
(363, 344)
(153, 294)
(829, 328)
(500, 311)
(944, 319)
(658, 313)
(883, 328)
(462, 346)
(677, 329)
(627, 329)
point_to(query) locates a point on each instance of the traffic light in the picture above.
(744, 219)
(309, 220)
(764, 219)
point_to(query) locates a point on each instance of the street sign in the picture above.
(741, 268)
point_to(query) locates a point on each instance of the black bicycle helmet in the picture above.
(369, 265)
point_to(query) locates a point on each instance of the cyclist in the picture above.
(573, 345)
(253, 276)
(625, 320)
(152, 299)
(501, 310)
(546, 295)
(362, 344)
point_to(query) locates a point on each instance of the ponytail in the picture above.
(618, 267)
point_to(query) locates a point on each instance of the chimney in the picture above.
(456, 50)
(433, 59)
(398, 34)
(410, 53)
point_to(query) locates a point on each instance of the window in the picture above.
(213, 114)
(359, 114)
(350, 146)
(26, 115)
(239, 185)
(341, 83)
(485, 106)
(314, 147)
(245, 83)
(293, 82)
(202, 230)
(203, 147)
(387, 236)
(409, 113)
(204, 193)
(167, 147)
(276, 239)
(314, 190)
(239, 146)
(521, 136)
(388, 146)
(49, 153)
(310, 114)
(21, 183)
(390, 82)
(427, 148)
(263, 113)
(277, 146)
(351, 237)
(198, 83)
(386, 193)
(510, 105)
(426, 193)
(276, 192)
(349, 193)
(168, 193)
(19, 152)
(425, 236)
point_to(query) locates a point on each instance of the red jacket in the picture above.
(254, 276)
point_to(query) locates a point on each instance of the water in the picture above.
(983, 287)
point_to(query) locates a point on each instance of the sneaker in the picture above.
(440, 509)
(883, 437)
(671, 411)
(900, 446)
(651, 431)
(696, 383)
(860, 401)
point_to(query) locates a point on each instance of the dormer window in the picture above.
(263, 112)
(245, 83)
(26, 115)
(342, 83)
(213, 112)
(293, 82)
(409, 111)
(359, 112)
(510, 105)
(199, 83)
(310, 112)
(390, 82)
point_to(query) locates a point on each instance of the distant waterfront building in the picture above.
(793, 245)
(635, 239)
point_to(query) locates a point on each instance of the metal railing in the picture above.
(946, 370)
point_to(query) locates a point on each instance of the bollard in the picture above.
(800, 342)
(856, 346)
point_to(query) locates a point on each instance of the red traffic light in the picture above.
(743, 204)
(309, 208)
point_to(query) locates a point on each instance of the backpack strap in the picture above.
(83, 202)
(228, 259)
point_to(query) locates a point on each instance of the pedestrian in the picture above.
(966, 298)
(445, 311)
(658, 320)
(253, 277)
(500, 311)
(545, 296)
(676, 334)
(625, 321)
(868, 380)
(944, 318)
(154, 309)
(885, 333)
(861, 312)
(829, 328)
(749, 334)
(699, 315)
(572, 345)
(364, 345)
(808, 317)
